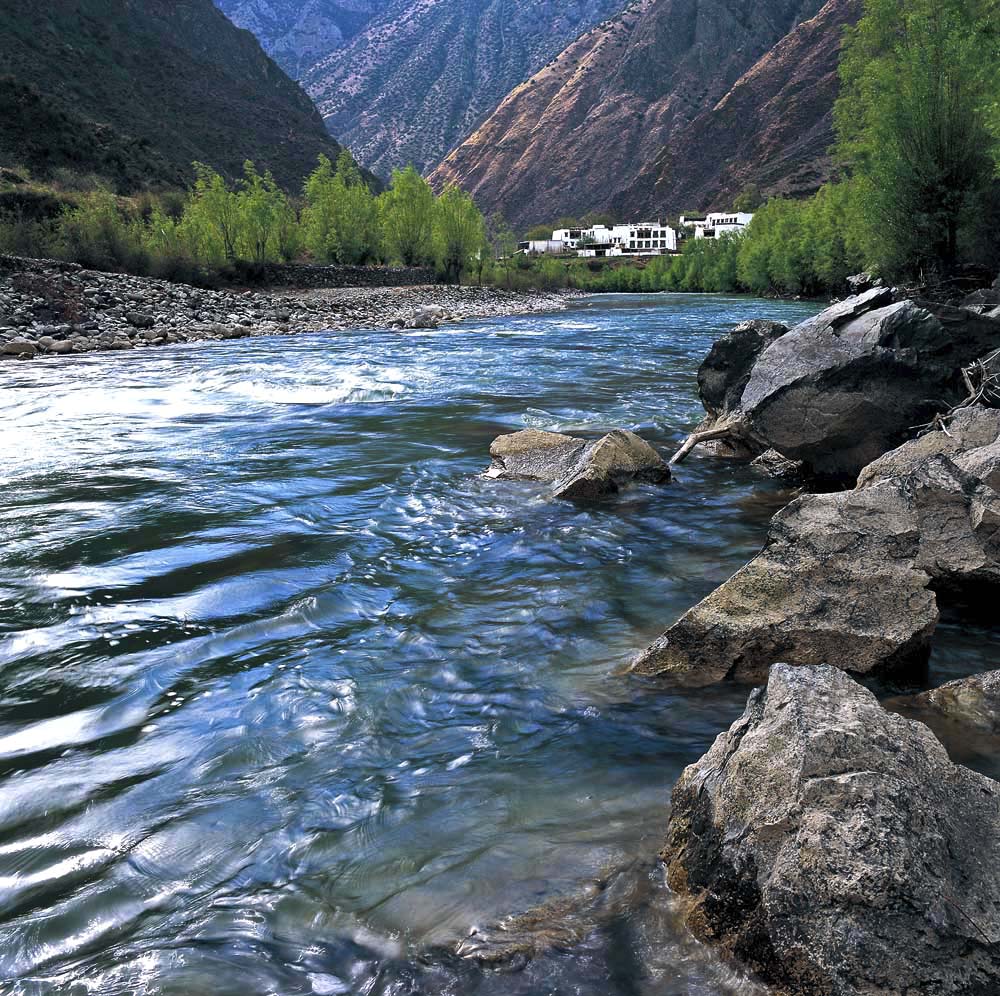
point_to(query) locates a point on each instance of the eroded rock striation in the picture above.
(577, 469)
(685, 102)
(835, 849)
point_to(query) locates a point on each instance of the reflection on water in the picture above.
(293, 699)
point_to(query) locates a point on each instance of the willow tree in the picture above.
(406, 211)
(919, 78)
(459, 233)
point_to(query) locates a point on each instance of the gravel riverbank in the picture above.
(50, 308)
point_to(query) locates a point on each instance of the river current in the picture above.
(293, 700)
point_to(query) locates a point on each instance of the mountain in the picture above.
(135, 90)
(299, 33)
(423, 73)
(672, 106)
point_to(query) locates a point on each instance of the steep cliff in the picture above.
(421, 75)
(299, 33)
(673, 105)
(136, 91)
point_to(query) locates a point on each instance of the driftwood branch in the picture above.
(724, 431)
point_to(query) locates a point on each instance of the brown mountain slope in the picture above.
(773, 130)
(610, 123)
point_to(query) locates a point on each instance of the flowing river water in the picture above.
(292, 699)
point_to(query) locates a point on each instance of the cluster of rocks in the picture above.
(49, 308)
(824, 841)
(851, 575)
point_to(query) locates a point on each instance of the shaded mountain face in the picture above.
(422, 74)
(674, 105)
(136, 90)
(299, 33)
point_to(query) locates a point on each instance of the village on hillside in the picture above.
(645, 238)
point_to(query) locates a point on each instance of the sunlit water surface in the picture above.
(292, 699)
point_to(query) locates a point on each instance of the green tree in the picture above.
(212, 217)
(919, 81)
(319, 214)
(459, 232)
(406, 211)
(262, 206)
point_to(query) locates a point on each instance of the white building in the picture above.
(717, 223)
(646, 238)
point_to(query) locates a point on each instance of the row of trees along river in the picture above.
(917, 126)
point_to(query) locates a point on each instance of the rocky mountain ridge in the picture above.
(671, 106)
(299, 33)
(423, 73)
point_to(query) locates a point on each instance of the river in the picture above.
(293, 699)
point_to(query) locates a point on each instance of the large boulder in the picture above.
(577, 468)
(845, 577)
(835, 849)
(841, 389)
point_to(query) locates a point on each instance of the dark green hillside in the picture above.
(135, 91)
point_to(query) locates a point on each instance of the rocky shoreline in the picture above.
(827, 842)
(49, 308)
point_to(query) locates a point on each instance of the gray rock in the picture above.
(972, 702)
(724, 374)
(843, 577)
(19, 347)
(577, 469)
(843, 388)
(533, 455)
(140, 320)
(772, 463)
(612, 463)
(835, 849)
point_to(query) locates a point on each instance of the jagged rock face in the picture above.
(647, 113)
(423, 73)
(835, 849)
(578, 470)
(843, 388)
(174, 78)
(725, 372)
(299, 33)
(773, 130)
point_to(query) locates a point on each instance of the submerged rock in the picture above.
(577, 469)
(972, 702)
(835, 849)
(772, 463)
(841, 389)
